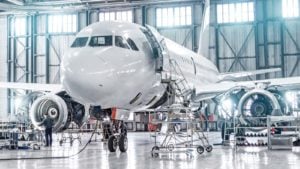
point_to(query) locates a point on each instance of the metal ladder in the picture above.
(175, 77)
(229, 129)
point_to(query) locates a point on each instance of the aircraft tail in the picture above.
(203, 47)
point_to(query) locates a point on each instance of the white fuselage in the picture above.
(112, 76)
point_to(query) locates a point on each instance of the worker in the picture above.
(48, 123)
(275, 129)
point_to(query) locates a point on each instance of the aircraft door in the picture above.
(159, 48)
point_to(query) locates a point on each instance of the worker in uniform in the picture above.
(48, 123)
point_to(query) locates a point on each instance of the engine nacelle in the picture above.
(62, 110)
(56, 108)
(257, 104)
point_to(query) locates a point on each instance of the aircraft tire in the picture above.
(123, 143)
(112, 143)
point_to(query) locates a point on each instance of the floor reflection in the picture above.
(138, 156)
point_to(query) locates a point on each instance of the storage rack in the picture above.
(254, 135)
(285, 138)
(245, 135)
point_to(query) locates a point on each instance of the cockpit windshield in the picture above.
(121, 42)
(100, 41)
(79, 42)
(132, 44)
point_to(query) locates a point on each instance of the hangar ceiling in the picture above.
(43, 5)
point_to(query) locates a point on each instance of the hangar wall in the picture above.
(3, 65)
(268, 42)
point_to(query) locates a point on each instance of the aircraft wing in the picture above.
(32, 86)
(235, 75)
(212, 90)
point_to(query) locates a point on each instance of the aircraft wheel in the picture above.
(200, 149)
(209, 148)
(112, 143)
(123, 143)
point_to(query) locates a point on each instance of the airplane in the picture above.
(113, 68)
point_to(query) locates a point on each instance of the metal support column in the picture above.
(47, 54)
(144, 15)
(9, 60)
(87, 17)
(27, 48)
(194, 45)
(282, 48)
(256, 38)
(33, 48)
(265, 36)
(216, 26)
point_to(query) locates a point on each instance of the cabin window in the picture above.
(132, 44)
(101, 41)
(120, 42)
(79, 42)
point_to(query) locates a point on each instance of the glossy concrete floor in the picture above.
(138, 156)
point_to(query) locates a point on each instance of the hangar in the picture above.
(149, 83)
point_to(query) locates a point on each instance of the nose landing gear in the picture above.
(114, 131)
(118, 138)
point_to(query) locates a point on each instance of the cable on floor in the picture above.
(55, 157)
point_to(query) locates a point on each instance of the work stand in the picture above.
(180, 136)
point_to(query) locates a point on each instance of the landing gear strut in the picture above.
(119, 138)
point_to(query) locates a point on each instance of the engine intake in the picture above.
(259, 103)
(57, 109)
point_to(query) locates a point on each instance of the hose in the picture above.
(55, 157)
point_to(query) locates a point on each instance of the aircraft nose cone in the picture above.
(102, 76)
(76, 77)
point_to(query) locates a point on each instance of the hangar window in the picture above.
(290, 8)
(79, 42)
(235, 12)
(62, 23)
(175, 16)
(120, 42)
(101, 41)
(20, 26)
(116, 15)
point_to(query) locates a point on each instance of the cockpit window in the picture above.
(101, 41)
(132, 44)
(120, 42)
(79, 42)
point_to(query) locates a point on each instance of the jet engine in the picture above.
(61, 109)
(257, 104)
